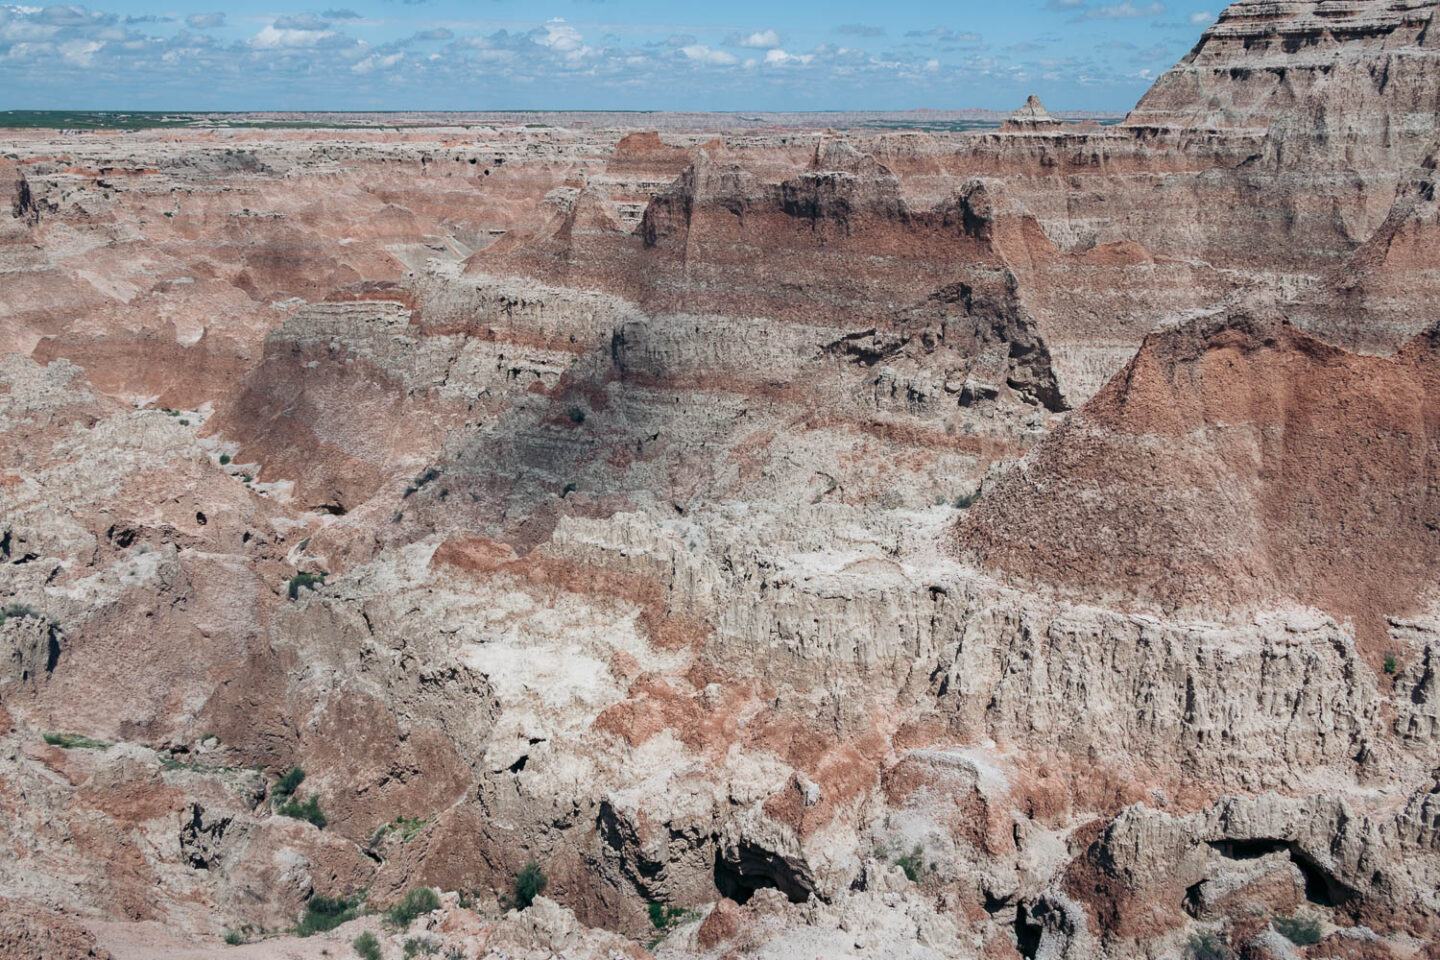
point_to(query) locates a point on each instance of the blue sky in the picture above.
(589, 54)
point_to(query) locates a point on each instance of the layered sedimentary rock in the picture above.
(1193, 478)
(986, 545)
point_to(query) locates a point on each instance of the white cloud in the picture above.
(377, 62)
(205, 21)
(1124, 10)
(271, 38)
(776, 57)
(1203, 18)
(703, 54)
(304, 21)
(80, 52)
(761, 39)
(564, 39)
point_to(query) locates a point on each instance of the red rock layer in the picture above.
(1234, 462)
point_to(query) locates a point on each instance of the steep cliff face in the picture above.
(1348, 79)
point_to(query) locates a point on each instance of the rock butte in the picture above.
(914, 545)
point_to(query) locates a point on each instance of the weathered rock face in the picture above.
(1191, 480)
(607, 502)
(1342, 76)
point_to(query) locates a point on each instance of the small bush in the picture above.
(367, 946)
(326, 913)
(234, 937)
(965, 501)
(1300, 929)
(1207, 946)
(1390, 664)
(17, 610)
(576, 415)
(224, 459)
(307, 580)
(309, 810)
(406, 828)
(286, 786)
(413, 904)
(913, 863)
(424, 946)
(74, 741)
(529, 884)
(430, 474)
(663, 917)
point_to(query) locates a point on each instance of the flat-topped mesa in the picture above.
(1032, 117)
(1333, 70)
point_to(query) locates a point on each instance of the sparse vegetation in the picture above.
(18, 611)
(403, 827)
(74, 741)
(576, 415)
(663, 917)
(965, 500)
(286, 786)
(418, 901)
(1390, 664)
(529, 883)
(430, 474)
(306, 580)
(326, 913)
(1301, 929)
(234, 937)
(1207, 946)
(366, 946)
(309, 810)
(421, 946)
(913, 863)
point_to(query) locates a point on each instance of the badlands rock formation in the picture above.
(1010, 544)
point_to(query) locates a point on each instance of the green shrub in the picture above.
(326, 913)
(224, 459)
(529, 884)
(367, 946)
(303, 579)
(1300, 929)
(406, 828)
(913, 863)
(309, 810)
(421, 945)
(285, 787)
(19, 611)
(1207, 946)
(413, 904)
(1390, 664)
(966, 500)
(234, 937)
(74, 741)
(663, 917)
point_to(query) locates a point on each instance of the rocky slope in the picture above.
(985, 545)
